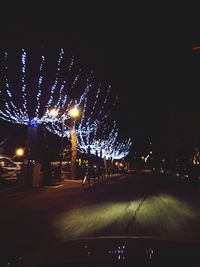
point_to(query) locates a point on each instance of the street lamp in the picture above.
(19, 152)
(53, 112)
(74, 113)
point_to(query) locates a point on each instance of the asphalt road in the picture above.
(137, 204)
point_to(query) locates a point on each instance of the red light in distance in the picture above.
(196, 47)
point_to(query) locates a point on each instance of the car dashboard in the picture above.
(123, 251)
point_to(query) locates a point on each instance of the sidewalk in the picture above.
(79, 182)
(63, 185)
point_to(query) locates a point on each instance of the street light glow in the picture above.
(53, 112)
(19, 152)
(74, 112)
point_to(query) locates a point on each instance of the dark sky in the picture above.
(143, 50)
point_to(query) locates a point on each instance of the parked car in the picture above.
(8, 168)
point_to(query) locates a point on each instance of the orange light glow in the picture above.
(53, 112)
(19, 152)
(74, 112)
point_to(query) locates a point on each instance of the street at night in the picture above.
(139, 203)
(99, 134)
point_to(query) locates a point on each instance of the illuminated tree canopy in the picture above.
(28, 104)
(30, 91)
(104, 142)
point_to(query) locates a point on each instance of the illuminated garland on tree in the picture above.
(19, 108)
(16, 110)
(94, 111)
(23, 105)
(104, 142)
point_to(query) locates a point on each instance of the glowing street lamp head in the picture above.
(53, 112)
(19, 152)
(74, 112)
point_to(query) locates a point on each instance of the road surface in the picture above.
(136, 204)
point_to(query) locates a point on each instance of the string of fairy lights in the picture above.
(95, 104)
(40, 80)
(104, 143)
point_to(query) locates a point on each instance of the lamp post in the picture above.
(73, 113)
(61, 147)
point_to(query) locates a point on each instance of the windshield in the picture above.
(102, 108)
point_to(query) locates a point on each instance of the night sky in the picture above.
(143, 51)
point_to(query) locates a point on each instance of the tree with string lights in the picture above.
(105, 143)
(48, 103)
(23, 103)
(28, 106)
(31, 106)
